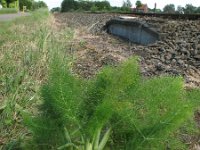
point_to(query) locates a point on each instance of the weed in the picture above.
(117, 105)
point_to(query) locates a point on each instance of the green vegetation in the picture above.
(8, 11)
(116, 107)
(23, 68)
(8, 2)
(170, 8)
(55, 9)
(138, 4)
(188, 9)
(72, 5)
(127, 4)
(18, 4)
(104, 6)
(37, 5)
(93, 6)
(44, 105)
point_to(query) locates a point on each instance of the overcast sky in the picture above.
(150, 3)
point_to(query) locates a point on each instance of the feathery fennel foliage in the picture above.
(117, 109)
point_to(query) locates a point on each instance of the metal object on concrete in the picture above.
(132, 30)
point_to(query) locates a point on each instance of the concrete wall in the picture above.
(133, 31)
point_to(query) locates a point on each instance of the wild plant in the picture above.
(117, 109)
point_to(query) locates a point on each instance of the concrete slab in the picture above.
(127, 17)
(132, 30)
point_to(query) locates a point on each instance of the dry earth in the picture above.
(177, 53)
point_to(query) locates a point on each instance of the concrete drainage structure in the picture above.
(132, 30)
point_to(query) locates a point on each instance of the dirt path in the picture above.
(8, 17)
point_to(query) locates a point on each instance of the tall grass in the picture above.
(8, 11)
(24, 55)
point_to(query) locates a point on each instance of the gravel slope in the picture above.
(177, 53)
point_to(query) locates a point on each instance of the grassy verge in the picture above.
(26, 45)
(146, 112)
(8, 11)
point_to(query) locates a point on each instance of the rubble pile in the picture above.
(93, 22)
(176, 53)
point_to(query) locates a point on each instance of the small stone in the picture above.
(198, 46)
(168, 56)
(160, 67)
(174, 72)
(197, 57)
(161, 49)
(181, 62)
(173, 62)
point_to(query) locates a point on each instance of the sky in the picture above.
(150, 3)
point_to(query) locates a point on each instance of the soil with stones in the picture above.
(177, 53)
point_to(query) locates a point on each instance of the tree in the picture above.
(126, 7)
(8, 2)
(86, 5)
(170, 8)
(3, 3)
(138, 4)
(39, 4)
(27, 3)
(180, 10)
(55, 9)
(68, 5)
(128, 3)
(197, 10)
(189, 9)
(42, 4)
(102, 5)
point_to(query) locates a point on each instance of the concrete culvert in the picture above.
(133, 30)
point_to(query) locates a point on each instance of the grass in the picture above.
(26, 44)
(35, 71)
(8, 11)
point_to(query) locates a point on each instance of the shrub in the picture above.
(116, 107)
(94, 8)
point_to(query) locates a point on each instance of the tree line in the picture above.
(83, 5)
(86, 5)
(188, 9)
(30, 4)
